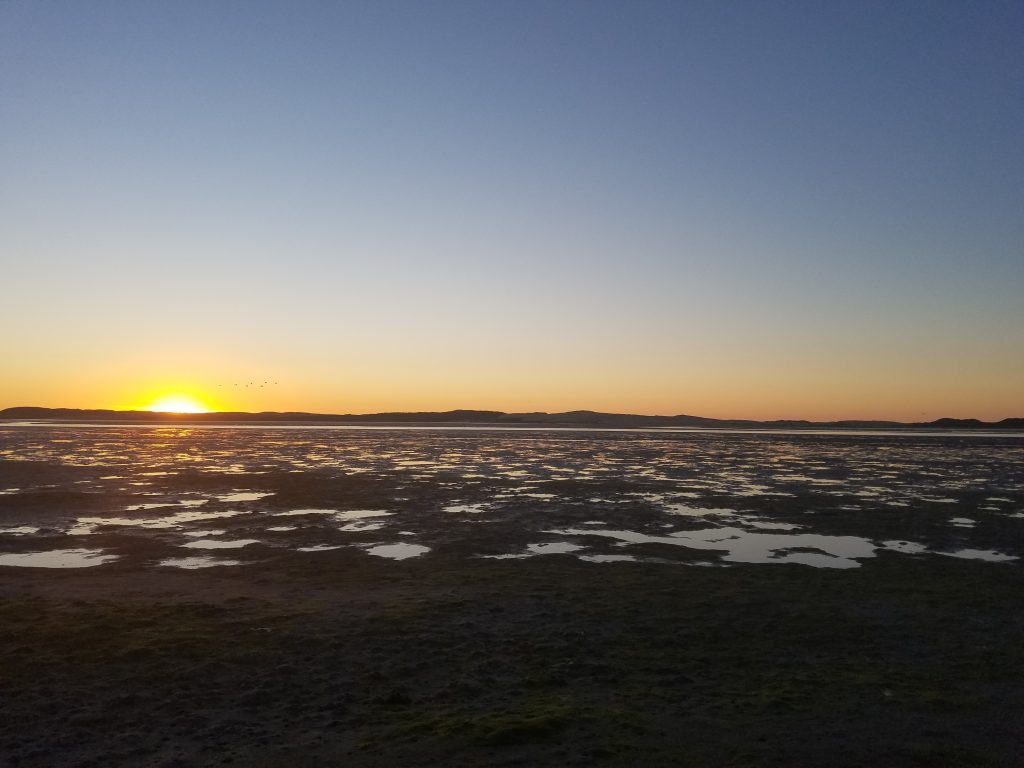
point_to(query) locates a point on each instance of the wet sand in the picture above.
(496, 641)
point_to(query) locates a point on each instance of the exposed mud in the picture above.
(545, 607)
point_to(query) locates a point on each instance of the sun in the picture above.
(177, 404)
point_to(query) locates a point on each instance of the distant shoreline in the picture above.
(486, 419)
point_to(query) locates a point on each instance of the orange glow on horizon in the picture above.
(176, 403)
(734, 388)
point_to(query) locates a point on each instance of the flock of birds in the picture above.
(252, 384)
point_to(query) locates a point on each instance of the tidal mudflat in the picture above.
(194, 596)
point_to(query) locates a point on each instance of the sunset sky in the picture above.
(730, 209)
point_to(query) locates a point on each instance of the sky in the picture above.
(726, 209)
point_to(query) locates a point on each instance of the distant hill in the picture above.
(569, 418)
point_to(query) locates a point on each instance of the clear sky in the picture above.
(733, 209)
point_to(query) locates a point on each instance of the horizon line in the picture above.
(513, 415)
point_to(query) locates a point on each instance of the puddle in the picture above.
(746, 547)
(813, 559)
(770, 526)
(282, 528)
(906, 547)
(319, 548)
(553, 548)
(191, 517)
(464, 509)
(242, 496)
(544, 548)
(979, 554)
(162, 504)
(356, 527)
(58, 558)
(350, 514)
(685, 511)
(360, 514)
(912, 548)
(20, 530)
(220, 544)
(88, 525)
(608, 558)
(399, 551)
(962, 522)
(195, 562)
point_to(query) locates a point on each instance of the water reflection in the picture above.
(360, 514)
(749, 498)
(19, 530)
(979, 554)
(400, 551)
(220, 543)
(543, 548)
(191, 563)
(464, 509)
(238, 496)
(85, 526)
(162, 504)
(741, 546)
(58, 558)
(361, 527)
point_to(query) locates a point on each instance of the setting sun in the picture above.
(177, 404)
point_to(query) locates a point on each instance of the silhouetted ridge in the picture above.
(461, 416)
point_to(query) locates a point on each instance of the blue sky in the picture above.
(735, 209)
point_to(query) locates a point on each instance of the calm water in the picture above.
(161, 496)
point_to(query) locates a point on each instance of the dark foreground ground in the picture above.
(339, 658)
(342, 660)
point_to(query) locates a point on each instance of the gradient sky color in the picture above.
(732, 209)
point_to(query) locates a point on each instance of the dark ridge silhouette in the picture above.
(569, 418)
